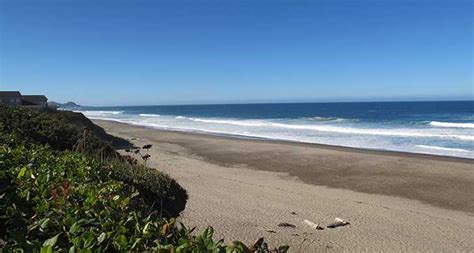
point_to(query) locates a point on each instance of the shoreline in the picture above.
(426, 178)
(307, 144)
(246, 188)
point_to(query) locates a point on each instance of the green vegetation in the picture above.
(61, 130)
(64, 189)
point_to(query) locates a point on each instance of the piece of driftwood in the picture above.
(313, 225)
(270, 231)
(285, 224)
(338, 222)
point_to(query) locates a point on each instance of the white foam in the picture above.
(442, 148)
(99, 113)
(349, 136)
(325, 119)
(148, 115)
(375, 131)
(232, 122)
(336, 129)
(451, 124)
(351, 133)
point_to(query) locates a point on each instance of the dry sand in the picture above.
(245, 188)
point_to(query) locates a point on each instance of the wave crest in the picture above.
(325, 119)
(451, 124)
(232, 122)
(443, 148)
(337, 129)
(148, 115)
(98, 113)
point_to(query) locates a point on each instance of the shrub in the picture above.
(59, 129)
(53, 128)
(63, 188)
(68, 202)
(159, 191)
(63, 130)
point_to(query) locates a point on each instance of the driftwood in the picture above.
(313, 225)
(338, 223)
(285, 224)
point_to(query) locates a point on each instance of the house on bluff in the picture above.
(15, 98)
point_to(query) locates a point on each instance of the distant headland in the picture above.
(67, 105)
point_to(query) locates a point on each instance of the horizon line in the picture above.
(288, 102)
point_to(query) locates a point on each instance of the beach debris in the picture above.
(294, 213)
(285, 224)
(313, 225)
(338, 222)
(148, 146)
(270, 231)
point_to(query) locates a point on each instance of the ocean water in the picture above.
(439, 128)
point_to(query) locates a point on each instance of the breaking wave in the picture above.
(452, 124)
(439, 136)
(443, 148)
(337, 129)
(100, 113)
(148, 115)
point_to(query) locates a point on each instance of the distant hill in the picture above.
(68, 105)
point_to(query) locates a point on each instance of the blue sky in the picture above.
(172, 52)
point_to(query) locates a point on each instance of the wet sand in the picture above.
(245, 188)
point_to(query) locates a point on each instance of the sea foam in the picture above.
(443, 148)
(445, 135)
(148, 115)
(451, 124)
(100, 113)
(337, 129)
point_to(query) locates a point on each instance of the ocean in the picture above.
(438, 128)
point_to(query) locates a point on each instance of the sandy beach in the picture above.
(246, 188)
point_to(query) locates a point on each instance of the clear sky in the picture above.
(215, 51)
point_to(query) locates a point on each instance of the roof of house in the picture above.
(35, 97)
(10, 94)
